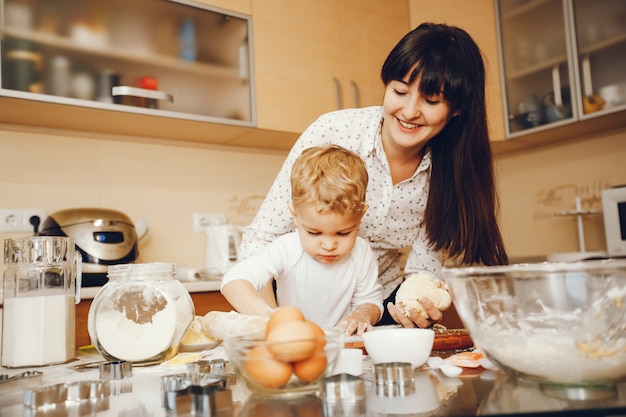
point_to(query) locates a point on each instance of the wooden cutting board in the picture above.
(445, 340)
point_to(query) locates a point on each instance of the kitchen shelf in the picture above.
(536, 68)
(173, 59)
(524, 8)
(152, 59)
(604, 44)
(562, 59)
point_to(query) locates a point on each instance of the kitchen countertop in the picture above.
(192, 286)
(475, 392)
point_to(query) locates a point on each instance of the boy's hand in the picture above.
(360, 320)
(355, 322)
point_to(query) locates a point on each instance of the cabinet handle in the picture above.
(357, 94)
(338, 93)
(556, 85)
(123, 90)
(587, 87)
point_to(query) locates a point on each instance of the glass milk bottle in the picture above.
(41, 289)
(141, 314)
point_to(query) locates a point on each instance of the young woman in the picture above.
(427, 152)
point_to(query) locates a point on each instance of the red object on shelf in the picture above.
(148, 82)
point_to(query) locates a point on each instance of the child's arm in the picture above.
(360, 320)
(242, 295)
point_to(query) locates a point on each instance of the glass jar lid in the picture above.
(148, 271)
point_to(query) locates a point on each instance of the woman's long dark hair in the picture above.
(461, 215)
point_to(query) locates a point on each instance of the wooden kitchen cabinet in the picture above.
(203, 303)
(127, 67)
(558, 57)
(315, 57)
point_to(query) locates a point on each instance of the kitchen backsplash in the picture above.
(535, 185)
(166, 183)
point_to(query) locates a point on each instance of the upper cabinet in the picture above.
(167, 58)
(563, 64)
(312, 57)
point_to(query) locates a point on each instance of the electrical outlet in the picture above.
(11, 220)
(202, 220)
(18, 220)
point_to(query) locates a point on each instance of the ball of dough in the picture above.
(195, 335)
(422, 285)
(220, 324)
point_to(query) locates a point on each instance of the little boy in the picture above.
(323, 267)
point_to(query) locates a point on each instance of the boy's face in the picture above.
(328, 236)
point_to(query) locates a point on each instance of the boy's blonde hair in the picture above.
(330, 177)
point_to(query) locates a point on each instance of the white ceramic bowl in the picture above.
(387, 345)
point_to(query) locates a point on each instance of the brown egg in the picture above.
(310, 369)
(292, 341)
(319, 333)
(264, 370)
(283, 315)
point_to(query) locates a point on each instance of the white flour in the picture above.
(37, 331)
(549, 353)
(127, 340)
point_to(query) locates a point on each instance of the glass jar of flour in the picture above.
(141, 314)
(41, 287)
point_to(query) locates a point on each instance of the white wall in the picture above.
(535, 185)
(165, 183)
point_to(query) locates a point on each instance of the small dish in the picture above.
(399, 345)
(199, 347)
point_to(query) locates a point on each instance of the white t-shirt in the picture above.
(395, 217)
(323, 292)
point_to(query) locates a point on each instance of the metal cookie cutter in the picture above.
(116, 370)
(215, 367)
(196, 394)
(395, 379)
(118, 373)
(86, 396)
(343, 395)
(19, 381)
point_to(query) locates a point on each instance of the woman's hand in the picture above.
(416, 319)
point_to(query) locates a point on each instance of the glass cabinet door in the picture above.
(161, 57)
(600, 30)
(537, 77)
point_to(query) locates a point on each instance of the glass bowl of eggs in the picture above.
(289, 358)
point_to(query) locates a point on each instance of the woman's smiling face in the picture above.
(411, 119)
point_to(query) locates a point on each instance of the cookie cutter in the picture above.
(116, 370)
(215, 367)
(343, 395)
(118, 373)
(196, 394)
(394, 379)
(86, 395)
(19, 381)
(342, 387)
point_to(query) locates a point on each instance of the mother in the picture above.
(428, 156)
